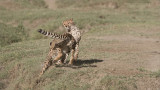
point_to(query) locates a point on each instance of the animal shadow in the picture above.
(82, 63)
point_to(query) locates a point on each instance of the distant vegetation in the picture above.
(94, 3)
(11, 34)
(118, 37)
(33, 14)
(30, 3)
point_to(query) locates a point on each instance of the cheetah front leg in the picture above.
(72, 57)
(76, 52)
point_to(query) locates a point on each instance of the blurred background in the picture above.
(19, 19)
(119, 49)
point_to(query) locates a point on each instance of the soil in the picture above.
(50, 4)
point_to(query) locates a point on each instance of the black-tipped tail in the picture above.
(52, 35)
(43, 32)
(40, 30)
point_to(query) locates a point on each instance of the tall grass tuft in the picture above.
(11, 34)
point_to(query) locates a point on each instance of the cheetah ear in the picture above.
(71, 19)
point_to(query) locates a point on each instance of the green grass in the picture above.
(156, 74)
(94, 3)
(23, 50)
(23, 4)
(91, 20)
(141, 69)
(116, 83)
(11, 34)
(66, 81)
(18, 61)
(31, 4)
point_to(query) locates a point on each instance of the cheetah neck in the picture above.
(75, 32)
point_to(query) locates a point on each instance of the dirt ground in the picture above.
(147, 51)
(130, 56)
(50, 4)
(117, 52)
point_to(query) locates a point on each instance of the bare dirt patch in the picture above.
(50, 4)
(35, 23)
(147, 50)
(130, 56)
(9, 5)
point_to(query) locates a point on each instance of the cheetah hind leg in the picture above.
(65, 60)
(48, 62)
(72, 57)
(59, 57)
(62, 60)
(76, 52)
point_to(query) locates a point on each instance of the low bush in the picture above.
(11, 34)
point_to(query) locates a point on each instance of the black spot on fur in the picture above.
(50, 43)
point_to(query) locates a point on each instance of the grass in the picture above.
(18, 61)
(156, 74)
(23, 50)
(116, 83)
(11, 34)
(66, 81)
(141, 69)
(23, 4)
(91, 20)
(94, 3)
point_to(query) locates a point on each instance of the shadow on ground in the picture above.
(82, 63)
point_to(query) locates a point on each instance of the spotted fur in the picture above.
(75, 32)
(54, 35)
(59, 48)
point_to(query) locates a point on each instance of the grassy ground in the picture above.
(119, 49)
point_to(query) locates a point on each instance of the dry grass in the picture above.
(119, 49)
